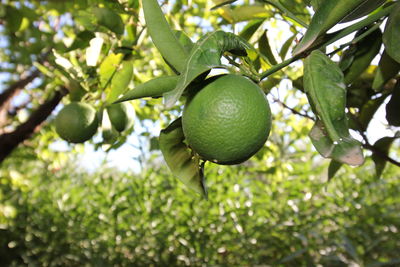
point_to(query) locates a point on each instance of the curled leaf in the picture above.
(326, 92)
(205, 55)
(179, 158)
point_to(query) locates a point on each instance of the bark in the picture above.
(10, 92)
(9, 141)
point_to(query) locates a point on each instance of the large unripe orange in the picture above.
(228, 120)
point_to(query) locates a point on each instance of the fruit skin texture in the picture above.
(228, 120)
(121, 115)
(76, 122)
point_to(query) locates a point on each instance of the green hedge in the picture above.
(71, 218)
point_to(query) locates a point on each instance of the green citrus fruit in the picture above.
(109, 135)
(121, 115)
(76, 122)
(228, 120)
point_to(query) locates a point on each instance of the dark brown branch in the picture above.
(9, 141)
(381, 154)
(372, 148)
(15, 87)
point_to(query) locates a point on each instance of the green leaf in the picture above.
(249, 12)
(109, 19)
(316, 4)
(265, 49)
(224, 3)
(120, 81)
(327, 15)
(286, 46)
(383, 145)
(251, 27)
(388, 68)
(391, 36)
(364, 52)
(81, 40)
(108, 68)
(162, 35)
(334, 167)
(13, 18)
(153, 88)
(293, 10)
(186, 44)
(393, 107)
(184, 40)
(326, 92)
(368, 110)
(205, 55)
(86, 19)
(179, 158)
(363, 9)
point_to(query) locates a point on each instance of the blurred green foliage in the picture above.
(280, 217)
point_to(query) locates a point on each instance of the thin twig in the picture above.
(374, 149)
(381, 154)
(293, 110)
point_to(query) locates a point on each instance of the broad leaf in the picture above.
(120, 81)
(13, 19)
(81, 40)
(368, 110)
(363, 9)
(180, 159)
(326, 92)
(248, 13)
(388, 68)
(286, 46)
(249, 30)
(316, 4)
(162, 35)
(383, 145)
(333, 168)
(294, 10)
(184, 40)
(108, 68)
(109, 19)
(221, 3)
(391, 36)
(153, 88)
(265, 49)
(205, 55)
(327, 15)
(364, 52)
(393, 107)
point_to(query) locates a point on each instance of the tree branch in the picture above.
(381, 154)
(293, 110)
(15, 87)
(372, 148)
(9, 141)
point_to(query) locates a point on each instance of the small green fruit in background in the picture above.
(76, 122)
(122, 116)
